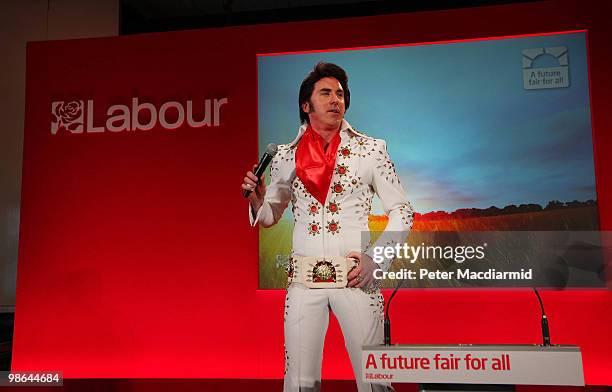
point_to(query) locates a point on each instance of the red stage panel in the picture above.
(136, 257)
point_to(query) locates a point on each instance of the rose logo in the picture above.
(67, 116)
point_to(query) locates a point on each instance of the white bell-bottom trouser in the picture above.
(306, 318)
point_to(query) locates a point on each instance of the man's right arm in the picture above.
(267, 204)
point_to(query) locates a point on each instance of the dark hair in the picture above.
(320, 71)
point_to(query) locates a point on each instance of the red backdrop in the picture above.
(136, 258)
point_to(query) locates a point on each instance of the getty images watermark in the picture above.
(490, 259)
(457, 254)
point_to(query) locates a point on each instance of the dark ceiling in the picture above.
(142, 16)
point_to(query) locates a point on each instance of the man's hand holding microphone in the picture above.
(255, 189)
(254, 184)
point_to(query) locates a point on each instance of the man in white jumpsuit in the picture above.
(330, 173)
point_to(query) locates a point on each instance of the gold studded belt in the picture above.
(321, 272)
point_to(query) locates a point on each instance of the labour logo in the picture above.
(78, 116)
(67, 116)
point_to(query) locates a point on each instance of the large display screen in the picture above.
(489, 135)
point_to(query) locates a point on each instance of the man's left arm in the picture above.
(387, 186)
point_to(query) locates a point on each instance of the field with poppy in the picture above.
(275, 242)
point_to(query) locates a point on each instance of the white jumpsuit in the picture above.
(362, 169)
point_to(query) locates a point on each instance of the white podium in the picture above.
(474, 364)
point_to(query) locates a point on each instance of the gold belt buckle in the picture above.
(323, 272)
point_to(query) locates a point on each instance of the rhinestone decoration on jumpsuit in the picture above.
(363, 168)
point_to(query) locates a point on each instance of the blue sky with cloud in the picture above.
(460, 127)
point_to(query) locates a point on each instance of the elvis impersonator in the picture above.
(330, 173)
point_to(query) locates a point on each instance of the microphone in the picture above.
(387, 322)
(265, 160)
(545, 330)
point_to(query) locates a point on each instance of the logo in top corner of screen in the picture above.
(545, 68)
(67, 115)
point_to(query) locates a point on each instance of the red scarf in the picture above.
(314, 166)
